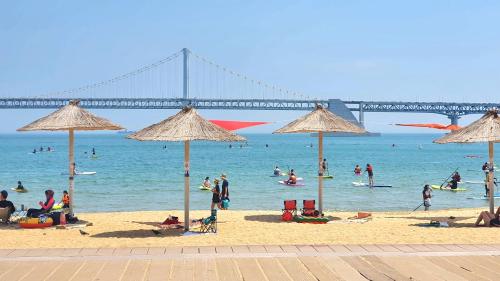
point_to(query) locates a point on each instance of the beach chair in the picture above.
(309, 209)
(4, 215)
(289, 210)
(209, 224)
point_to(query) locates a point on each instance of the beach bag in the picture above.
(56, 217)
(225, 203)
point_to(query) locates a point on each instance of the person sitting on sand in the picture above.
(4, 203)
(19, 186)
(426, 194)
(215, 195)
(45, 207)
(206, 182)
(277, 171)
(65, 199)
(489, 218)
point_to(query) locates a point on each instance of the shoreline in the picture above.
(134, 229)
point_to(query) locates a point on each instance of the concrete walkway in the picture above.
(278, 262)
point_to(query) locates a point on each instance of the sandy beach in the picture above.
(134, 229)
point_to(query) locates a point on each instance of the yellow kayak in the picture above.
(435, 186)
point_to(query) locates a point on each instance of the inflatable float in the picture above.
(31, 223)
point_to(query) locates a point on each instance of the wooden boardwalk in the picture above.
(279, 262)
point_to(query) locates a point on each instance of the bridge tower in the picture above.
(185, 74)
(454, 118)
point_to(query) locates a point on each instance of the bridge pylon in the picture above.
(454, 119)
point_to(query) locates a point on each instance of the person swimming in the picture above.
(277, 171)
(357, 170)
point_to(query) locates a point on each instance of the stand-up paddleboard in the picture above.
(204, 188)
(474, 182)
(484, 197)
(24, 190)
(362, 184)
(326, 177)
(438, 187)
(296, 184)
(82, 173)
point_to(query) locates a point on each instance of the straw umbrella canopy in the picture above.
(71, 118)
(187, 125)
(486, 129)
(320, 121)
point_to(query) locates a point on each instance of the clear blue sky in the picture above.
(370, 50)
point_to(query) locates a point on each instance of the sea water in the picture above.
(133, 175)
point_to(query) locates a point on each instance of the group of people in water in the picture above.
(220, 197)
(49, 149)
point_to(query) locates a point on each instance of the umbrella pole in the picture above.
(71, 169)
(491, 186)
(320, 176)
(186, 185)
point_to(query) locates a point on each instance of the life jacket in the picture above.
(65, 199)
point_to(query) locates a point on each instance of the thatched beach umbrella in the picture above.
(320, 121)
(486, 129)
(71, 118)
(187, 125)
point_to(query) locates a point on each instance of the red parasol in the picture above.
(433, 126)
(236, 125)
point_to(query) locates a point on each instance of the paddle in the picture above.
(446, 180)
(417, 207)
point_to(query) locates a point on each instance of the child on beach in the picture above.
(65, 199)
(426, 194)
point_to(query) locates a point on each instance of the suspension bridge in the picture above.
(186, 78)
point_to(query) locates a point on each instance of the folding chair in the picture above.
(309, 209)
(209, 224)
(289, 210)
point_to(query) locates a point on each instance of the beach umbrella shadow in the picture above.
(138, 233)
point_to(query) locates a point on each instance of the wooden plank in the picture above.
(18, 253)
(136, 270)
(257, 249)
(365, 269)
(342, 269)
(182, 269)
(384, 268)
(205, 270)
(295, 269)
(407, 267)
(419, 248)
(227, 269)
(240, 249)
(452, 267)
(290, 249)
(469, 247)
(207, 250)
(223, 250)
(318, 269)
(88, 271)
(339, 249)
(323, 249)
(388, 248)
(5, 252)
(453, 248)
(43, 268)
(436, 248)
(89, 252)
(66, 270)
(105, 251)
(18, 270)
(250, 269)
(139, 251)
(404, 248)
(307, 249)
(426, 264)
(273, 270)
(273, 249)
(112, 270)
(156, 251)
(173, 250)
(122, 252)
(71, 252)
(190, 250)
(36, 253)
(372, 248)
(475, 268)
(159, 270)
(356, 248)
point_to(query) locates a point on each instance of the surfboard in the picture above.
(327, 177)
(19, 190)
(437, 187)
(293, 185)
(204, 188)
(362, 184)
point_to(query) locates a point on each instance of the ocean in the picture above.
(133, 175)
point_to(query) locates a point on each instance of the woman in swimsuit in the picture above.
(489, 218)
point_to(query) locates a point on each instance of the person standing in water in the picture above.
(357, 170)
(426, 195)
(277, 171)
(369, 170)
(215, 195)
(93, 151)
(324, 168)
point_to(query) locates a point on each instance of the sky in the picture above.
(353, 50)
